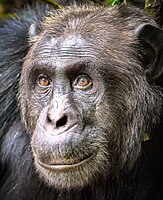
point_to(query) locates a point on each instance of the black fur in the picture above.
(18, 179)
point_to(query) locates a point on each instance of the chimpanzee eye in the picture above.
(83, 82)
(43, 81)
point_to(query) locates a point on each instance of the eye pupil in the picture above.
(83, 82)
(43, 81)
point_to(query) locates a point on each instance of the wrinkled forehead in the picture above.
(70, 41)
(63, 42)
(63, 48)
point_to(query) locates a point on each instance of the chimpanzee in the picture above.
(81, 105)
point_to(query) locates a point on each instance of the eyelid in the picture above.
(44, 70)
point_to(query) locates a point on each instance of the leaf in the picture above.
(54, 3)
(113, 2)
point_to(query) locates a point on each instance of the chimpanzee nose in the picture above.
(57, 119)
(60, 117)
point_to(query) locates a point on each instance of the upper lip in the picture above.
(56, 132)
(68, 129)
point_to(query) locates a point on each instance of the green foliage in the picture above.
(150, 7)
(54, 3)
(3, 1)
(113, 2)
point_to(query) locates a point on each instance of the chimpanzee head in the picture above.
(87, 94)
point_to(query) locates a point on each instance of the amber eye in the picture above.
(83, 82)
(43, 81)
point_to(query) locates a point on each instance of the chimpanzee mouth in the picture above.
(64, 166)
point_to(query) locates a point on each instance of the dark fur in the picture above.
(137, 167)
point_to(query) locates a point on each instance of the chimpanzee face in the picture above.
(83, 100)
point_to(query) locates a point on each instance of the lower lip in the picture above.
(64, 167)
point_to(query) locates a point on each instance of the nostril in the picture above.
(61, 122)
(49, 120)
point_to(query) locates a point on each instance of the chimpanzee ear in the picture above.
(34, 29)
(151, 38)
